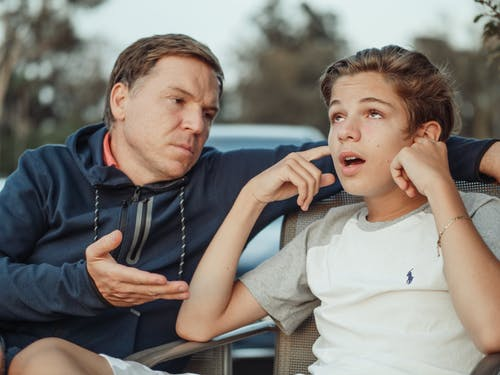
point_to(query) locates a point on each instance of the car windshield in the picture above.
(228, 142)
(227, 137)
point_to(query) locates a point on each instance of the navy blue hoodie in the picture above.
(61, 196)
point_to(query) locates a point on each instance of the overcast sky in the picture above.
(225, 24)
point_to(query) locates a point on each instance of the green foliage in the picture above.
(280, 73)
(476, 82)
(279, 80)
(491, 30)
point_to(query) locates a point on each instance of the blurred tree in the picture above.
(280, 73)
(491, 30)
(477, 83)
(49, 77)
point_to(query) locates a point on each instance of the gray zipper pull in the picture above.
(135, 312)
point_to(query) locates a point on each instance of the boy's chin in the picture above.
(354, 188)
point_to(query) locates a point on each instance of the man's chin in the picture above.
(177, 170)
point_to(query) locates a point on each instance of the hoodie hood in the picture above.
(86, 148)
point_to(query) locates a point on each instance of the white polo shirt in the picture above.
(384, 302)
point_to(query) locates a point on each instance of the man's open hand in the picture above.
(127, 286)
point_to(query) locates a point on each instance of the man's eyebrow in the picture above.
(187, 93)
(369, 99)
(175, 88)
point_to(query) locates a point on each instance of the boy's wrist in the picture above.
(440, 188)
(247, 195)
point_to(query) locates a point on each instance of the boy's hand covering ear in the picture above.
(417, 167)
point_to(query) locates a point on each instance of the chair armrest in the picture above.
(489, 365)
(182, 348)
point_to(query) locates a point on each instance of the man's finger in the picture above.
(104, 245)
(131, 275)
(150, 291)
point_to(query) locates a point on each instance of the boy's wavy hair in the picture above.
(140, 57)
(426, 90)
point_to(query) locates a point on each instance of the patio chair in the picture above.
(293, 353)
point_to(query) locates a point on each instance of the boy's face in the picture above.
(368, 127)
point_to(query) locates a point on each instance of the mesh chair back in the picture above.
(215, 361)
(293, 353)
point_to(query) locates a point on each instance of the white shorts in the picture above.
(122, 367)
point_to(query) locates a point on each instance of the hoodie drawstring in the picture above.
(96, 213)
(183, 233)
(183, 226)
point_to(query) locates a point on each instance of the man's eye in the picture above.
(210, 116)
(176, 100)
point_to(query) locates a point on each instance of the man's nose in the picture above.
(194, 120)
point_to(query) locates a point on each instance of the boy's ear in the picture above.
(429, 129)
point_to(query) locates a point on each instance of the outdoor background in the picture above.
(56, 55)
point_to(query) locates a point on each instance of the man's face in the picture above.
(368, 127)
(163, 122)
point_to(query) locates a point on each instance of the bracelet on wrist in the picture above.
(445, 228)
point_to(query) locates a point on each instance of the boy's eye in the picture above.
(336, 118)
(374, 114)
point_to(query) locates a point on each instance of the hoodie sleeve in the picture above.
(234, 169)
(36, 287)
(230, 171)
(464, 156)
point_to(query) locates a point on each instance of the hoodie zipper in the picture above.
(142, 221)
(142, 226)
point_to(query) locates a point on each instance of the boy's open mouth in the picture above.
(352, 160)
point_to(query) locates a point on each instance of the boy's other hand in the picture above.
(293, 175)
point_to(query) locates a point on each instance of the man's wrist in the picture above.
(490, 162)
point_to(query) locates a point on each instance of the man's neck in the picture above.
(109, 159)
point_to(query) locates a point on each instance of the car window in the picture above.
(233, 137)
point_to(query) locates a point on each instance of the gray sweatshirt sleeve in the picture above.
(280, 283)
(485, 213)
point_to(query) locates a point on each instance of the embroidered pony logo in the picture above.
(409, 277)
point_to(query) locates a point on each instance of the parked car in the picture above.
(266, 243)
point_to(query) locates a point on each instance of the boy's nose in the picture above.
(349, 130)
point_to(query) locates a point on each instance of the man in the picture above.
(98, 238)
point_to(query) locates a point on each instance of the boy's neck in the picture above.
(391, 207)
